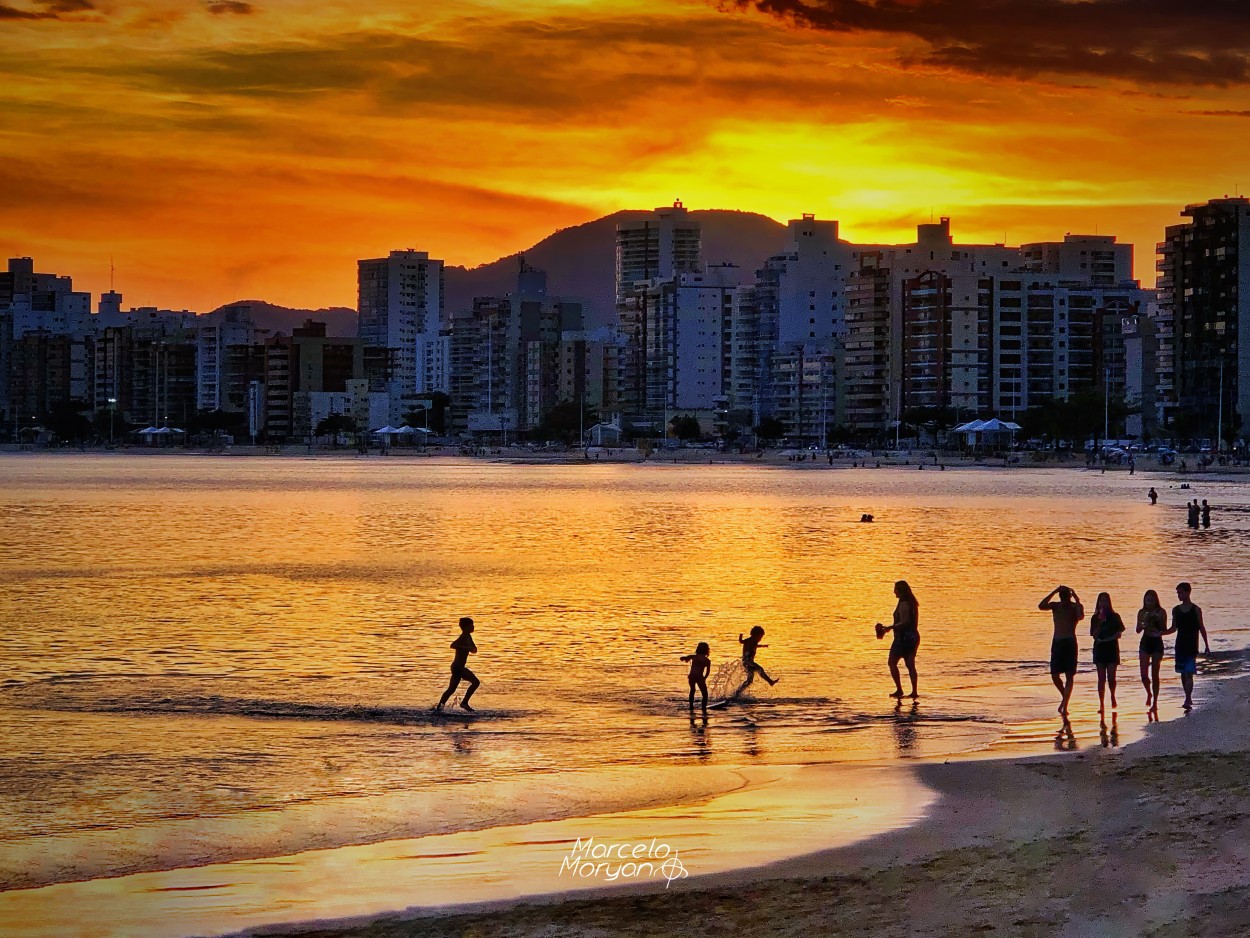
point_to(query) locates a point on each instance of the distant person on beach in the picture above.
(906, 643)
(700, 665)
(1152, 623)
(1188, 625)
(1153, 496)
(1105, 628)
(749, 646)
(1194, 513)
(1206, 514)
(1067, 612)
(459, 666)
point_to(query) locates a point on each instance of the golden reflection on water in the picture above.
(267, 633)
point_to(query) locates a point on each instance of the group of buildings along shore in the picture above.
(827, 337)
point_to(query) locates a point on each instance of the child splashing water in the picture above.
(749, 647)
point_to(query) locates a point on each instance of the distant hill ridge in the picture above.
(580, 262)
(339, 320)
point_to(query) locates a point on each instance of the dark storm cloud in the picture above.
(1195, 42)
(238, 7)
(46, 10)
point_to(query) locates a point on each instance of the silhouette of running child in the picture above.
(749, 646)
(459, 670)
(700, 665)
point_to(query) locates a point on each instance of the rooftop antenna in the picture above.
(110, 273)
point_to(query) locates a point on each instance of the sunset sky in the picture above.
(225, 149)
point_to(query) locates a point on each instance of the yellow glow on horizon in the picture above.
(218, 157)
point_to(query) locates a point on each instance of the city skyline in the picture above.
(233, 150)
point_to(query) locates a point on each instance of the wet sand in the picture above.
(1152, 840)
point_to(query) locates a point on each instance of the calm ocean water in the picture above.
(221, 657)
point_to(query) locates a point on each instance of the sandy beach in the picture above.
(1150, 840)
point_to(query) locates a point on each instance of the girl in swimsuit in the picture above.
(1152, 623)
(906, 643)
(1105, 628)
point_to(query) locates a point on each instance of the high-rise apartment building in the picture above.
(1204, 294)
(401, 306)
(656, 246)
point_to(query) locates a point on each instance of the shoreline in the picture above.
(984, 803)
(1152, 839)
(625, 456)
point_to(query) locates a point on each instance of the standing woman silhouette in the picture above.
(906, 629)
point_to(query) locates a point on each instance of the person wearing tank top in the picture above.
(1188, 625)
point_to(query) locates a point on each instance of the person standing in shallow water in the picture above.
(1066, 613)
(1194, 513)
(1105, 628)
(906, 643)
(1152, 623)
(1206, 514)
(700, 665)
(1188, 625)
(1153, 496)
(464, 647)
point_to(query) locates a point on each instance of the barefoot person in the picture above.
(1188, 625)
(700, 665)
(749, 647)
(1063, 652)
(1152, 623)
(1105, 628)
(906, 629)
(459, 668)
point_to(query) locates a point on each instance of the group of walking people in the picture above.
(1105, 628)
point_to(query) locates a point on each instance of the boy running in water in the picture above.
(459, 668)
(749, 646)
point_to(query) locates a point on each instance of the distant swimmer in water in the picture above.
(1152, 623)
(1188, 625)
(700, 665)
(749, 646)
(865, 518)
(1063, 651)
(1153, 496)
(1105, 628)
(459, 670)
(906, 643)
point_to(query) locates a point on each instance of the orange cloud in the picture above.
(217, 154)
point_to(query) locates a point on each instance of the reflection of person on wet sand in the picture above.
(1063, 652)
(700, 665)
(459, 666)
(749, 646)
(906, 643)
(1065, 739)
(1109, 737)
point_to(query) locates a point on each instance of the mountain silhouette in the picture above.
(339, 320)
(581, 261)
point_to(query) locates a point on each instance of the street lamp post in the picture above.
(112, 412)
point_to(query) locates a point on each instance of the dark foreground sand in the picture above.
(1153, 840)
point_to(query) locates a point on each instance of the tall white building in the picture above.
(215, 333)
(401, 307)
(656, 247)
